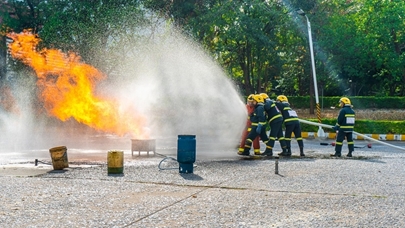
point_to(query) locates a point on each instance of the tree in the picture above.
(16, 16)
(244, 36)
(262, 44)
(99, 31)
(365, 41)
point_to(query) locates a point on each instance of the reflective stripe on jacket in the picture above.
(289, 115)
(273, 113)
(346, 118)
(258, 115)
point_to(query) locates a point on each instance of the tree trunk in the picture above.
(245, 68)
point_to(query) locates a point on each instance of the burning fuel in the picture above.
(67, 88)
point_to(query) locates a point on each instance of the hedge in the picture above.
(357, 102)
(362, 126)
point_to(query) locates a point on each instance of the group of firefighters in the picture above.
(262, 111)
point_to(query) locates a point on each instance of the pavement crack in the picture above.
(204, 188)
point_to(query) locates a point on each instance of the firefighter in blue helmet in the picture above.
(258, 127)
(292, 125)
(275, 120)
(344, 127)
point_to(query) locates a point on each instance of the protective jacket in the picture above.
(346, 118)
(289, 115)
(273, 113)
(258, 116)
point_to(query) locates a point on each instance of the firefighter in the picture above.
(344, 127)
(258, 127)
(256, 144)
(291, 124)
(275, 120)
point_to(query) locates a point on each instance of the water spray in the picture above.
(356, 133)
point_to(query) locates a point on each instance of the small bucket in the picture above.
(59, 157)
(115, 162)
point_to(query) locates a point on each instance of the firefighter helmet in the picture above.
(282, 98)
(264, 95)
(250, 97)
(345, 101)
(258, 98)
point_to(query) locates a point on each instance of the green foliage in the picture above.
(359, 46)
(365, 40)
(101, 32)
(357, 102)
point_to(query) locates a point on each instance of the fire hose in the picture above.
(356, 133)
(165, 158)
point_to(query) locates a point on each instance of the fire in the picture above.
(67, 88)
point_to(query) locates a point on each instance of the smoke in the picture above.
(169, 79)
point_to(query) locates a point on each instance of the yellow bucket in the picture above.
(59, 157)
(115, 162)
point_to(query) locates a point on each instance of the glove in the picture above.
(259, 129)
(335, 128)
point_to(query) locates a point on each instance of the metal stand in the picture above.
(143, 145)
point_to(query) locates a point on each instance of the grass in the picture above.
(365, 114)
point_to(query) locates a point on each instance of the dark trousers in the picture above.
(253, 134)
(276, 132)
(256, 143)
(339, 141)
(289, 129)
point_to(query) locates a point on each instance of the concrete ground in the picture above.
(224, 190)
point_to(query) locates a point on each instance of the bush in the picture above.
(362, 126)
(358, 102)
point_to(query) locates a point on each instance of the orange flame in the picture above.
(67, 88)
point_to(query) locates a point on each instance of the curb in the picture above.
(382, 137)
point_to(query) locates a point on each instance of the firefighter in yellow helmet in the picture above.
(291, 124)
(258, 119)
(275, 120)
(344, 127)
(256, 144)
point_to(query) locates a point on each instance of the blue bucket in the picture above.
(186, 153)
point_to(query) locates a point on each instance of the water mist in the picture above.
(168, 78)
(183, 91)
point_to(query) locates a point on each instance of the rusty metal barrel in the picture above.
(59, 157)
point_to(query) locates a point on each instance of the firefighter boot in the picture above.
(245, 152)
(302, 152)
(349, 154)
(336, 154)
(286, 152)
(268, 152)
